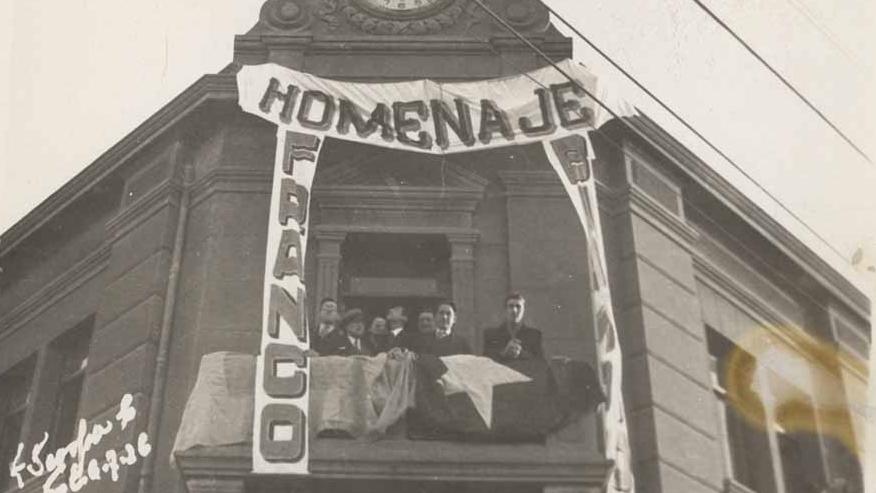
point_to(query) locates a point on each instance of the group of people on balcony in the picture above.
(435, 334)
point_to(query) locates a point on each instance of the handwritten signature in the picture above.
(82, 470)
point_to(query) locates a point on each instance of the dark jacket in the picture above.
(323, 344)
(496, 338)
(338, 344)
(445, 346)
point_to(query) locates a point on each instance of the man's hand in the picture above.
(512, 349)
(396, 353)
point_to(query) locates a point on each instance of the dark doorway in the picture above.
(379, 271)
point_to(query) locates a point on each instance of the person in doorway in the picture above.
(513, 340)
(379, 337)
(325, 329)
(440, 339)
(396, 320)
(351, 340)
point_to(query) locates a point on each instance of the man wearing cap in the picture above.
(513, 340)
(350, 340)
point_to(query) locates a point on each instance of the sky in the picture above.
(76, 76)
(82, 74)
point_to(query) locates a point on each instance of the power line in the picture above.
(783, 79)
(635, 130)
(730, 236)
(827, 33)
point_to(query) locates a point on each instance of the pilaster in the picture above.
(462, 277)
(328, 260)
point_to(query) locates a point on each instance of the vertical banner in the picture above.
(571, 158)
(282, 375)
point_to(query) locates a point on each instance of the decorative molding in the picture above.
(374, 24)
(752, 305)
(848, 337)
(643, 177)
(391, 229)
(328, 13)
(525, 14)
(408, 460)
(639, 203)
(397, 199)
(741, 296)
(232, 179)
(751, 213)
(207, 88)
(532, 184)
(166, 194)
(57, 289)
(216, 485)
(717, 254)
(257, 48)
(285, 15)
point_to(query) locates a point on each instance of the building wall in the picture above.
(666, 374)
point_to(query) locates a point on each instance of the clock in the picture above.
(402, 9)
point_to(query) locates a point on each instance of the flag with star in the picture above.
(466, 397)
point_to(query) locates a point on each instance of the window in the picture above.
(15, 389)
(43, 391)
(746, 445)
(770, 453)
(70, 355)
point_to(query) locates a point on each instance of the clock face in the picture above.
(405, 9)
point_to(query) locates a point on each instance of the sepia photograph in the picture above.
(437, 246)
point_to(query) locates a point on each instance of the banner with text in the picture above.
(421, 116)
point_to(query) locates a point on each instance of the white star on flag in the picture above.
(476, 376)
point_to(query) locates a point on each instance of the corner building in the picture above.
(166, 233)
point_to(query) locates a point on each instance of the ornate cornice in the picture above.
(208, 87)
(57, 289)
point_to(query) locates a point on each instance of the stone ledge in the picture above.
(566, 464)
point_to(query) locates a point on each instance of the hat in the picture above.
(351, 316)
(396, 313)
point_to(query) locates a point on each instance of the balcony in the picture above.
(568, 457)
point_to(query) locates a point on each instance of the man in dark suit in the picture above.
(349, 341)
(513, 340)
(442, 341)
(325, 332)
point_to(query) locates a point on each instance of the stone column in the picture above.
(328, 261)
(462, 264)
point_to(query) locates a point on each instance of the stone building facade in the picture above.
(153, 256)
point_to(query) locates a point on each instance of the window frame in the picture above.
(46, 381)
(764, 388)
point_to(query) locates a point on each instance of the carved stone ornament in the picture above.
(285, 14)
(524, 14)
(328, 11)
(443, 15)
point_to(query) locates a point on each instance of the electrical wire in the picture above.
(784, 81)
(732, 237)
(635, 130)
